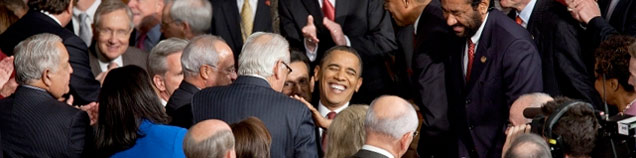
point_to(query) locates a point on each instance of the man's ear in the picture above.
(158, 82)
(312, 83)
(47, 78)
(405, 142)
(359, 84)
(276, 70)
(316, 73)
(483, 6)
(203, 72)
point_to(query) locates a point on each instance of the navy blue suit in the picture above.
(84, 87)
(506, 65)
(34, 124)
(288, 121)
(179, 107)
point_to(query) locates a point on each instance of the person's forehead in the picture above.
(342, 58)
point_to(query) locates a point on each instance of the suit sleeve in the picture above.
(84, 87)
(380, 38)
(288, 27)
(522, 70)
(305, 138)
(601, 29)
(81, 136)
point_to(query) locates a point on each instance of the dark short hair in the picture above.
(51, 6)
(344, 49)
(577, 127)
(612, 60)
(297, 55)
(252, 138)
(125, 100)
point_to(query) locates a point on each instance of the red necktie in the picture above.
(141, 41)
(471, 56)
(328, 10)
(519, 20)
(330, 116)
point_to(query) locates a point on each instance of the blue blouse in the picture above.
(158, 141)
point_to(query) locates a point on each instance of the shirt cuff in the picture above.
(310, 54)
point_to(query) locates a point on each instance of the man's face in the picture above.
(632, 72)
(169, 27)
(60, 78)
(113, 33)
(145, 9)
(510, 3)
(339, 77)
(174, 75)
(397, 10)
(225, 72)
(298, 81)
(462, 17)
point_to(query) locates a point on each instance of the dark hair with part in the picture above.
(344, 49)
(612, 60)
(297, 55)
(125, 100)
(252, 138)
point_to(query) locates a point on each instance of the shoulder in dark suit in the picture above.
(226, 22)
(507, 65)
(132, 56)
(364, 22)
(288, 121)
(367, 154)
(179, 107)
(34, 124)
(566, 60)
(434, 39)
(84, 87)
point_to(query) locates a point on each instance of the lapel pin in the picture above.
(483, 59)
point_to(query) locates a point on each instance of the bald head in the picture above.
(523, 102)
(391, 115)
(209, 138)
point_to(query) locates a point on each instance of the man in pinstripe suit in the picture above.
(264, 66)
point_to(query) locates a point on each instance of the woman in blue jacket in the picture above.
(131, 118)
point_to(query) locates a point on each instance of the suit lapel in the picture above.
(262, 18)
(93, 60)
(481, 53)
(342, 9)
(618, 17)
(233, 21)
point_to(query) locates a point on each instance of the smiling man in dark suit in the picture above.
(50, 16)
(498, 64)
(33, 122)
(256, 92)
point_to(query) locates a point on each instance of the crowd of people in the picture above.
(284, 78)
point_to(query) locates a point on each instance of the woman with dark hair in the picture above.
(131, 118)
(252, 138)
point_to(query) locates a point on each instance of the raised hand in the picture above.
(336, 32)
(309, 33)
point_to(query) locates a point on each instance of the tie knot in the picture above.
(331, 115)
(471, 43)
(83, 16)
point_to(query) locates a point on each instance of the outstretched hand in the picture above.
(320, 121)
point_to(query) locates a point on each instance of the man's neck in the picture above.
(83, 5)
(521, 5)
(627, 98)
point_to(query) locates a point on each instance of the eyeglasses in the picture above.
(287, 66)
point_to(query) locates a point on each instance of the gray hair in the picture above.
(196, 13)
(261, 52)
(108, 6)
(201, 51)
(158, 54)
(214, 147)
(396, 125)
(528, 146)
(34, 55)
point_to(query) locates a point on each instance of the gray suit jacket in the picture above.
(132, 56)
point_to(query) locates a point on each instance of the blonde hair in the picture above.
(346, 134)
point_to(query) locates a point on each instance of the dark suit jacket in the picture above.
(366, 24)
(83, 85)
(623, 21)
(132, 56)
(567, 62)
(34, 124)
(367, 154)
(179, 107)
(287, 120)
(433, 41)
(226, 22)
(506, 65)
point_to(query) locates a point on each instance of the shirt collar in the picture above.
(526, 12)
(477, 35)
(90, 11)
(324, 110)
(51, 16)
(377, 150)
(415, 24)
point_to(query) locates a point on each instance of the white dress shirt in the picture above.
(377, 150)
(103, 65)
(324, 111)
(474, 39)
(526, 13)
